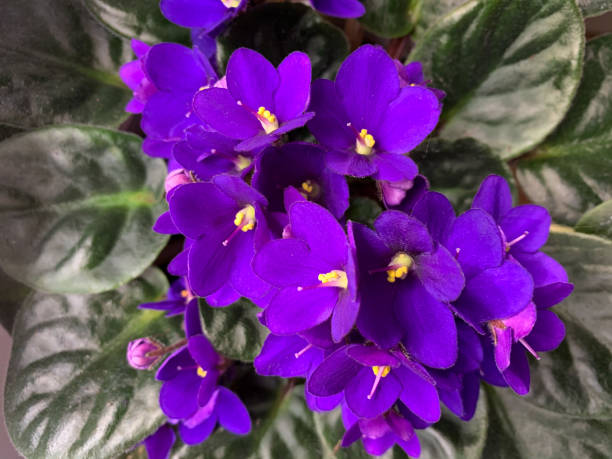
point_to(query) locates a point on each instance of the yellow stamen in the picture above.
(385, 370)
(335, 278)
(364, 143)
(202, 373)
(245, 218)
(267, 119)
(184, 293)
(242, 162)
(307, 186)
(399, 266)
(231, 3)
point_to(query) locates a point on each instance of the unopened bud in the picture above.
(142, 353)
(175, 178)
(394, 192)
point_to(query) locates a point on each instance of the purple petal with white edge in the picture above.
(333, 374)
(293, 93)
(165, 225)
(252, 79)
(401, 232)
(547, 333)
(408, 120)
(523, 322)
(180, 358)
(440, 274)
(204, 14)
(400, 425)
(543, 268)
(329, 124)
(551, 294)
(476, 238)
(418, 395)
(203, 352)
(292, 311)
(350, 163)
(367, 82)
(417, 310)
(178, 397)
(220, 110)
(287, 357)
(344, 315)
(200, 208)
(435, 210)
(174, 68)
(359, 388)
(210, 262)
(529, 220)
(503, 348)
(193, 325)
(517, 374)
(371, 356)
(322, 403)
(232, 413)
(321, 231)
(199, 432)
(394, 168)
(496, 293)
(287, 262)
(343, 9)
(159, 444)
(494, 197)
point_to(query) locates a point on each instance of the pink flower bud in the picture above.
(138, 350)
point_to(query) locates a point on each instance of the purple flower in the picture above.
(159, 444)
(225, 220)
(380, 433)
(367, 121)
(179, 295)
(412, 75)
(138, 353)
(314, 271)
(134, 76)
(339, 8)
(200, 14)
(372, 380)
(261, 102)
(177, 72)
(302, 166)
(224, 407)
(190, 374)
(406, 280)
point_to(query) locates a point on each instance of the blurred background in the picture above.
(595, 26)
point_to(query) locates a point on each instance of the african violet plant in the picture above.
(375, 218)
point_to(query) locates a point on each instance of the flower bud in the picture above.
(138, 353)
(175, 178)
(394, 192)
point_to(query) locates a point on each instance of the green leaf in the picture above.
(277, 29)
(58, 65)
(457, 168)
(141, 19)
(594, 7)
(389, 18)
(428, 13)
(234, 330)
(13, 296)
(509, 68)
(571, 171)
(76, 208)
(363, 210)
(69, 389)
(597, 221)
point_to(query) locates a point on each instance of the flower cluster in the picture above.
(384, 322)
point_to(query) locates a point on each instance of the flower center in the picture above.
(399, 266)
(334, 278)
(267, 119)
(380, 372)
(310, 189)
(515, 240)
(244, 221)
(202, 372)
(364, 143)
(231, 3)
(242, 162)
